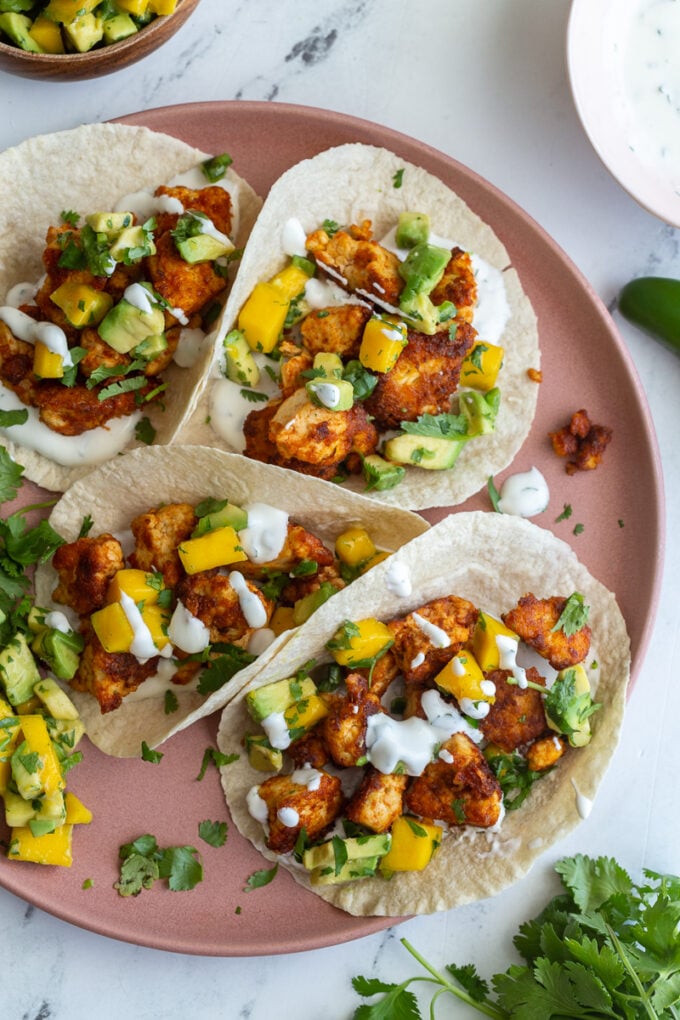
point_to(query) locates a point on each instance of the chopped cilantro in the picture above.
(170, 702)
(494, 495)
(10, 418)
(620, 522)
(212, 756)
(258, 879)
(574, 615)
(145, 432)
(398, 178)
(330, 227)
(216, 167)
(221, 669)
(70, 217)
(579, 529)
(136, 382)
(213, 833)
(86, 526)
(144, 862)
(566, 513)
(148, 754)
(442, 426)
(253, 396)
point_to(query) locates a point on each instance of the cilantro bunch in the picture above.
(604, 948)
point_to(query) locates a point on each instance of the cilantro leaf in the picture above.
(260, 878)
(10, 475)
(170, 702)
(213, 833)
(441, 426)
(216, 167)
(10, 418)
(574, 615)
(212, 756)
(182, 867)
(220, 670)
(148, 754)
(145, 432)
(494, 495)
(137, 872)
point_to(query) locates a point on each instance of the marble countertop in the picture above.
(485, 83)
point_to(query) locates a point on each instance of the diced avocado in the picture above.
(432, 452)
(17, 810)
(309, 604)
(380, 474)
(241, 366)
(351, 871)
(126, 326)
(109, 223)
(36, 619)
(120, 26)
(569, 705)
(65, 735)
(18, 670)
(413, 228)
(262, 756)
(56, 701)
(276, 697)
(351, 849)
(52, 808)
(329, 364)
(151, 348)
(203, 248)
(230, 515)
(84, 32)
(135, 239)
(61, 652)
(480, 410)
(334, 394)
(421, 271)
(17, 27)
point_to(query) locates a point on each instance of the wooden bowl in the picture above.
(79, 66)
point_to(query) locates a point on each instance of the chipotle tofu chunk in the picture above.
(378, 800)
(213, 201)
(337, 329)
(458, 285)
(582, 442)
(309, 749)
(423, 380)
(545, 752)
(182, 284)
(293, 806)
(85, 569)
(458, 788)
(109, 676)
(344, 728)
(215, 601)
(358, 262)
(300, 545)
(517, 715)
(302, 431)
(157, 534)
(535, 621)
(426, 639)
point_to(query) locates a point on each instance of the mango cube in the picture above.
(303, 714)
(291, 281)
(113, 628)
(214, 549)
(484, 647)
(360, 642)
(47, 34)
(413, 845)
(262, 317)
(462, 677)
(481, 366)
(82, 304)
(50, 848)
(37, 737)
(282, 619)
(382, 342)
(162, 6)
(67, 10)
(135, 7)
(76, 812)
(47, 364)
(375, 560)
(5, 775)
(354, 546)
(140, 585)
(157, 620)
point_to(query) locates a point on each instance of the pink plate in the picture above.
(584, 364)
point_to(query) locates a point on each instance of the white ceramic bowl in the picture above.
(628, 96)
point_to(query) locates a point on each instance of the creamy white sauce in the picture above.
(266, 532)
(27, 329)
(139, 297)
(156, 686)
(307, 776)
(398, 578)
(22, 294)
(525, 494)
(488, 688)
(276, 728)
(58, 621)
(92, 447)
(584, 805)
(288, 816)
(189, 347)
(435, 635)
(651, 85)
(294, 238)
(474, 709)
(321, 293)
(251, 606)
(187, 632)
(446, 718)
(507, 658)
(257, 807)
(528, 657)
(327, 393)
(260, 640)
(143, 646)
(417, 660)
(229, 408)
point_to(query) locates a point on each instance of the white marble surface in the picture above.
(485, 83)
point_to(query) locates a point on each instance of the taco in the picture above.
(376, 335)
(116, 248)
(184, 570)
(442, 729)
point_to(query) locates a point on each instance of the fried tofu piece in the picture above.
(309, 749)
(213, 201)
(313, 810)
(535, 620)
(344, 728)
(295, 362)
(72, 410)
(212, 598)
(302, 431)
(16, 365)
(99, 353)
(157, 534)
(337, 330)
(300, 545)
(109, 676)
(581, 442)
(299, 587)
(458, 285)
(378, 800)
(423, 380)
(413, 699)
(182, 284)
(427, 638)
(546, 752)
(357, 262)
(381, 675)
(85, 568)
(517, 715)
(459, 791)
(259, 446)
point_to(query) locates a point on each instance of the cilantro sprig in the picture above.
(144, 862)
(606, 947)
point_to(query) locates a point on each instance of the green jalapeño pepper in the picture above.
(653, 304)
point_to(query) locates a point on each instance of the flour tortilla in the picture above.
(88, 169)
(147, 477)
(492, 560)
(353, 182)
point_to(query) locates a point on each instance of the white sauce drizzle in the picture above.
(142, 647)
(288, 816)
(229, 408)
(251, 606)
(437, 637)
(507, 652)
(27, 329)
(189, 347)
(398, 578)
(265, 534)
(186, 631)
(294, 238)
(260, 640)
(257, 807)
(474, 709)
(22, 294)
(326, 393)
(307, 776)
(417, 660)
(327, 294)
(276, 728)
(584, 805)
(58, 621)
(525, 494)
